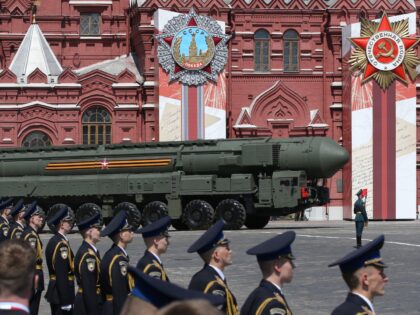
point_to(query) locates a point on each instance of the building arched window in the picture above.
(262, 51)
(96, 124)
(36, 139)
(291, 51)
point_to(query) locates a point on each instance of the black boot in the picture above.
(359, 241)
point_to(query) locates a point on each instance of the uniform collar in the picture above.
(156, 256)
(20, 224)
(368, 302)
(65, 237)
(93, 247)
(123, 250)
(277, 286)
(5, 219)
(13, 306)
(219, 272)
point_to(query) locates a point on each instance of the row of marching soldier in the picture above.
(111, 286)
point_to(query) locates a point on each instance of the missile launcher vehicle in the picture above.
(243, 181)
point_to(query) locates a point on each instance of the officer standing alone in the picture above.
(156, 238)
(34, 217)
(87, 267)
(60, 262)
(361, 218)
(116, 284)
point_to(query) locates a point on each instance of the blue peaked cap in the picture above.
(275, 247)
(161, 293)
(155, 228)
(210, 239)
(89, 222)
(18, 207)
(31, 210)
(5, 203)
(367, 255)
(117, 224)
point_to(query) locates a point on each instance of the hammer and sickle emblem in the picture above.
(384, 51)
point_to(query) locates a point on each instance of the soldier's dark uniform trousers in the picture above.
(151, 264)
(60, 262)
(4, 222)
(87, 271)
(116, 284)
(208, 280)
(32, 236)
(268, 298)
(16, 229)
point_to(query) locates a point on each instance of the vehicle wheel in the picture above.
(179, 225)
(256, 222)
(198, 215)
(133, 213)
(53, 210)
(153, 211)
(232, 212)
(88, 210)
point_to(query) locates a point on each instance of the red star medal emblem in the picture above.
(384, 52)
(104, 164)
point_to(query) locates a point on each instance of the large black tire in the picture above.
(256, 222)
(153, 211)
(198, 215)
(52, 211)
(232, 212)
(133, 213)
(88, 210)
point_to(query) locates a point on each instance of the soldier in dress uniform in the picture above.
(60, 262)
(156, 238)
(214, 249)
(87, 267)
(363, 272)
(361, 219)
(35, 220)
(275, 260)
(5, 208)
(150, 294)
(115, 282)
(16, 229)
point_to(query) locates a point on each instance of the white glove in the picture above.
(66, 307)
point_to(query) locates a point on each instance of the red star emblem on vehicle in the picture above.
(104, 164)
(385, 52)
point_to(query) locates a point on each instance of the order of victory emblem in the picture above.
(192, 49)
(385, 52)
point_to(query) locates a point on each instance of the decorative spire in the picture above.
(34, 8)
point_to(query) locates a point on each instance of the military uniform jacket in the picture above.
(360, 211)
(87, 270)
(116, 284)
(13, 312)
(152, 267)
(207, 280)
(353, 305)
(60, 263)
(31, 236)
(15, 231)
(267, 299)
(4, 228)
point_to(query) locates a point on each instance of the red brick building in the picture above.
(85, 71)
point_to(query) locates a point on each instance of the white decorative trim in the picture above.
(7, 140)
(336, 105)
(68, 140)
(244, 33)
(247, 54)
(38, 103)
(150, 105)
(280, 119)
(277, 33)
(244, 126)
(126, 139)
(310, 33)
(38, 85)
(275, 55)
(337, 84)
(249, 70)
(127, 106)
(125, 85)
(90, 37)
(150, 83)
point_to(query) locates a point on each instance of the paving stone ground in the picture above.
(316, 289)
